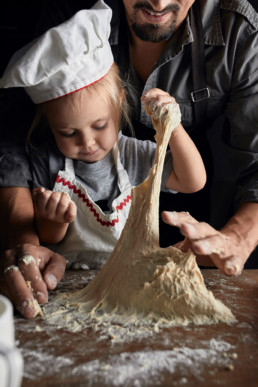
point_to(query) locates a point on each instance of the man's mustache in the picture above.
(145, 5)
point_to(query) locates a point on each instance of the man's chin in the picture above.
(153, 33)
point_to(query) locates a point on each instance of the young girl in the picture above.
(85, 172)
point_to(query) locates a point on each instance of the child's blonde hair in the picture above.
(110, 87)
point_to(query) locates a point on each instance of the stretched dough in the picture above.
(141, 279)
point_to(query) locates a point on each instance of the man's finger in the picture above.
(45, 274)
(29, 268)
(51, 265)
(54, 270)
(198, 230)
(20, 293)
(177, 218)
(232, 266)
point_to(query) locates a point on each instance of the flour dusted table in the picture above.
(214, 355)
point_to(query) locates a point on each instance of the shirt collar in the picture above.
(211, 19)
(177, 41)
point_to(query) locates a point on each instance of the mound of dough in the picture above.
(142, 280)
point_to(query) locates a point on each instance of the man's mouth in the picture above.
(154, 16)
(154, 13)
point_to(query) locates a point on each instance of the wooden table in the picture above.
(214, 355)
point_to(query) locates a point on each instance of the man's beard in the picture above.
(154, 32)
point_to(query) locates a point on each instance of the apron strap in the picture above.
(201, 92)
(123, 178)
(69, 167)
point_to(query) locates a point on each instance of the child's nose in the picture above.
(87, 140)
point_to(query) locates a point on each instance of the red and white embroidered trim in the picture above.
(90, 205)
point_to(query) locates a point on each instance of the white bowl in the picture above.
(11, 362)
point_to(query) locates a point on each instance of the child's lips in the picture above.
(88, 155)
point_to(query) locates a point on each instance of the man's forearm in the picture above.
(17, 218)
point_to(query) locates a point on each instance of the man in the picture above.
(161, 44)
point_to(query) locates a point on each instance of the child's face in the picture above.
(86, 132)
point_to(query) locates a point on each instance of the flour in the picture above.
(27, 259)
(11, 268)
(39, 363)
(133, 368)
(139, 367)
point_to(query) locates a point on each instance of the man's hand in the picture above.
(27, 273)
(211, 247)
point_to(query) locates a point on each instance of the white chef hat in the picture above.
(66, 58)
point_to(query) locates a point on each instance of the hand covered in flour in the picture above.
(54, 206)
(211, 247)
(159, 104)
(27, 273)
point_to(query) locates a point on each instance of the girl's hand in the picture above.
(54, 206)
(158, 103)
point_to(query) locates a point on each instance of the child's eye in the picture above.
(63, 134)
(100, 127)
